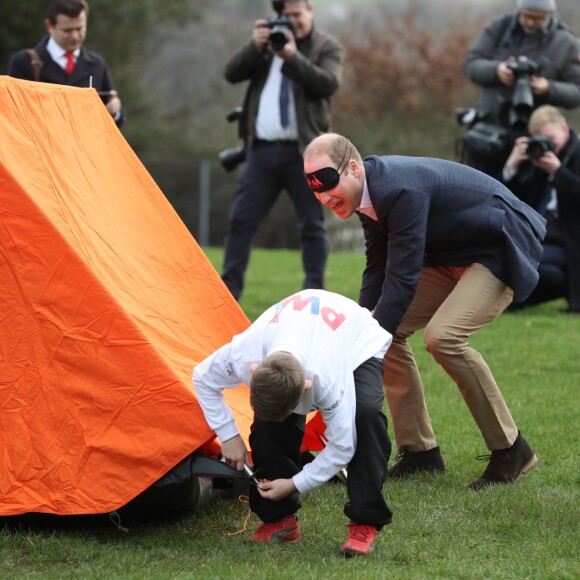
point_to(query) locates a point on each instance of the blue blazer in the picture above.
(438, 212)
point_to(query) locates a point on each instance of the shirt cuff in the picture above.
(227, 431)
(508, 173)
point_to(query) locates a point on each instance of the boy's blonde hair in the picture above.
(545, 114)
(276, 386)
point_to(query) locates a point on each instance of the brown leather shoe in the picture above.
(506, 465)
(409, 462)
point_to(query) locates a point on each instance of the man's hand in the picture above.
(114, 104)
(548, 162)
(504, 74)
(235, 453)
(540, 85)
(277, 489)
(289, 49)
(260, 33)
(518, 154)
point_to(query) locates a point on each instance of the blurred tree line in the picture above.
(402, 83)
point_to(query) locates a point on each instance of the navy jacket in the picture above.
(89, 64)
(437, 212)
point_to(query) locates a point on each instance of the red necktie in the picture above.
(70, 63)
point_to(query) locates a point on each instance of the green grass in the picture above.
(440, 530)
(275, 274)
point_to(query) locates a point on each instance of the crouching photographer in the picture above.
(521, 60)
(292, 69)
(544, 171)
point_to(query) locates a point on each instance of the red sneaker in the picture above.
(285, 530)
(361, 540)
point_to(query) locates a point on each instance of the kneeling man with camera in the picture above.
(544, 171)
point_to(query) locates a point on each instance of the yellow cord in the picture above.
(242, 499)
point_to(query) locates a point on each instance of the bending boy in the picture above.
(313, 350)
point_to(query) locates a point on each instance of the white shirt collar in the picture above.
(57, 52)
(366, 205)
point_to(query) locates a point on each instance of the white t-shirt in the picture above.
(331, 336)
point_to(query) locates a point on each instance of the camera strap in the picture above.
(35, 63)
(505, 26)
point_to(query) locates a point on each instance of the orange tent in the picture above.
(106, 304)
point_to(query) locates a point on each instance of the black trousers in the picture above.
(569, 220)
(553, 281)
(276, 454)
(270, 168)
(559, 277)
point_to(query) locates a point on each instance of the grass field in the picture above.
(440, 530)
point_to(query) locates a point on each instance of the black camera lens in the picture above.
(231, 158)
(523, 97)
(539, 145)
(234, 114)
(278, 37)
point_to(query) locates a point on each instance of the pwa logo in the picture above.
(329, 316)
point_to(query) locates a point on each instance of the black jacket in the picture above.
(91, 70)
(315, 71)
(531, 185)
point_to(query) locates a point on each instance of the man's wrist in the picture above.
(509, 172)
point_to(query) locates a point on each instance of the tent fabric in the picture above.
(106, 304)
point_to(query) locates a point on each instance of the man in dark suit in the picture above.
(60, 57)
(447, 249)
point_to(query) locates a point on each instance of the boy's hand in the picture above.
(277, 489)
(235, 452)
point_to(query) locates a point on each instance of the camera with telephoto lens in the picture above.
(523, 97)
(488, 143)
(231, 158)
(538, 145)
(279, 26)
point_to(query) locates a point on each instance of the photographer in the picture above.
(533, 31)
(544, 171)
(293, 69)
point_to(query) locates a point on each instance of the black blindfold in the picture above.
(327, 178)
(323, 179)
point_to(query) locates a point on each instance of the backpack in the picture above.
(35, 63)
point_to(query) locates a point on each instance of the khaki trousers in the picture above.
(451, 304)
